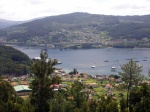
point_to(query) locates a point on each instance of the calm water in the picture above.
(82, 60)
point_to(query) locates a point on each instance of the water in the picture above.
(82, 60)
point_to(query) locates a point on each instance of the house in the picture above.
(93, 85)
(22, 90)
(108, 86)
(56, 87)
(63, 85)
(24, 83)
(116, 85)
(112, 79)
(84, 75)
(100, 77)
(14, 83)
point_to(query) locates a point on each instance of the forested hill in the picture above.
(80, 27)
(8, 23)
(12, 61)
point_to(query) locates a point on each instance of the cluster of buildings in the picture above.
(21, 84)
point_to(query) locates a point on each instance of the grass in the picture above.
(90, 81)
(67, 83)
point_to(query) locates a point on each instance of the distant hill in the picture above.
(7, 23)
(12, 61)
(80, 28)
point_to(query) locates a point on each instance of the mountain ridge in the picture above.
(7, 23)
(80, 28)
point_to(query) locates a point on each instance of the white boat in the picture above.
(113, 69)
(93, 66)
(37, 58)
(59, 62)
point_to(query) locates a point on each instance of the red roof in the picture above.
(14, 83)
(24, 83)
(108, 85)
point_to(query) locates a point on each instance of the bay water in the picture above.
(102, 59)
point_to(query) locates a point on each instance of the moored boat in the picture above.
(113, 69)
(59, 62)
(93, 66)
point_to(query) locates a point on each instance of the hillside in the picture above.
(7, 23)
(12, 61)
(77, 28)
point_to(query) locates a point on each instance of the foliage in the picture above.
(115, 76)
(123, 105)
(41, 91)
(106, 104)
(140, 98)
(13, 61)
(56, 79)
(78, 94)
(9, 102)
(7, 92)
(131, 74)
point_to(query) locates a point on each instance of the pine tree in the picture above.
(41, 91)
(131, 74)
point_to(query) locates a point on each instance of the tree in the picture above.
(140, 98)
(131, 74)
(57, 103)
(123, 105)
(106, 104)
(93, 106)
(56, 79)
(85, 107)
(7, 92)
(78, 94)
(41, 91)
(9, 102)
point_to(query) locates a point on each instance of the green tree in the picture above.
(41, 91)
(7, 92)
(78, 94)
(131, 74)
(140, 98)
(56, 79)
(85, 106)
(123, 105)
(9, 102)
(92, 106)
(106, 104)
(56, 104)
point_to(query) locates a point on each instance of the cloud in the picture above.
(127, 6)
(28, 9)
(35, 2)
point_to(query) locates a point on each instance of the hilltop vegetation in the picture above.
(7, 23)
(77, 28)
(12, 61)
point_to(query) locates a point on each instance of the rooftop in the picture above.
(21, 87)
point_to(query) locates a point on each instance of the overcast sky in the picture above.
(29, 9)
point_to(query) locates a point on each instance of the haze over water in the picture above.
(82, 60)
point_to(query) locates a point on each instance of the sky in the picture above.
(20, 10)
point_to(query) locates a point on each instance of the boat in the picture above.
(144, 60)
(113, 69)
(37, 58)
(59, 62)
(93, 66)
